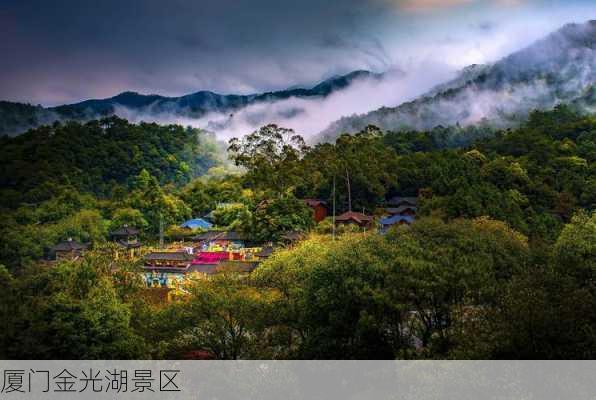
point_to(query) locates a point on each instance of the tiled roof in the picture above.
(169, 256)
(356, 216)
(196, 223)
(394, 219)
(400, 209)
(125, 231)
(232, 266)
(218, 235)
(208, 269)
(314, 202)
(398, 201)
(69, 245)
(210, 257)
(166, 269)
(127, 245)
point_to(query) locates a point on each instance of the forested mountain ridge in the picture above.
(504, 231)
(16, 118)
(561, 68)
(100, 155)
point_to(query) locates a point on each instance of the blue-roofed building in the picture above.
(388, 222)
(196, 223)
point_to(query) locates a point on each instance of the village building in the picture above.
(355, 218)
(206, 269)
(196, 223)
(402, 201)
(400, 211)
(68, 250)
(264, 253)
(394, 220)
(319, 208)
(403, 210)
(166, 268)
(127, 239)
(220, 241)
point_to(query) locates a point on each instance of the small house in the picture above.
(164, 268)
(394, 220)
(127, 238)
(319, 208)
(355, 218)
(196, 223)
(69, 250)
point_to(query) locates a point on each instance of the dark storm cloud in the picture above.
(83, 49)
(61, 51)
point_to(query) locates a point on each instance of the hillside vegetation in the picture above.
(499, 263)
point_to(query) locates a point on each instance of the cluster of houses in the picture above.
(211, 251)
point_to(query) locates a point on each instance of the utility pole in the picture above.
(349, 190)
(160, 230)
(333, 225)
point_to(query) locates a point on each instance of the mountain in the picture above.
(560, 68)
(16, 118)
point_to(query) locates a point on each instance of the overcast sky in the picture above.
(61, 51)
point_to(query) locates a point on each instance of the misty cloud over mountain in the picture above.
(308, 111)
(560, 68)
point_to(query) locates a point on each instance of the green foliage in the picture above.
(271, 157)
(128, 216)
(272, 218)
(99, 154)
(230, 214)
(575, 249)
(70, 311)
(223, 316)
(368, 296)
(499, 263)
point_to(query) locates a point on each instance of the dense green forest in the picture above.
(100, 157)
(499, 263)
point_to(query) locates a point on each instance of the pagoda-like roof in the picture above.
(128, 245)
(207, 236)
(125, 230)
(169, 256)
(210, 257)
(69, 245)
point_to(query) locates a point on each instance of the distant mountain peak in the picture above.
(194, 105)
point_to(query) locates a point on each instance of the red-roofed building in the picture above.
(211, 257)
(355, 218)
(319, 208)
